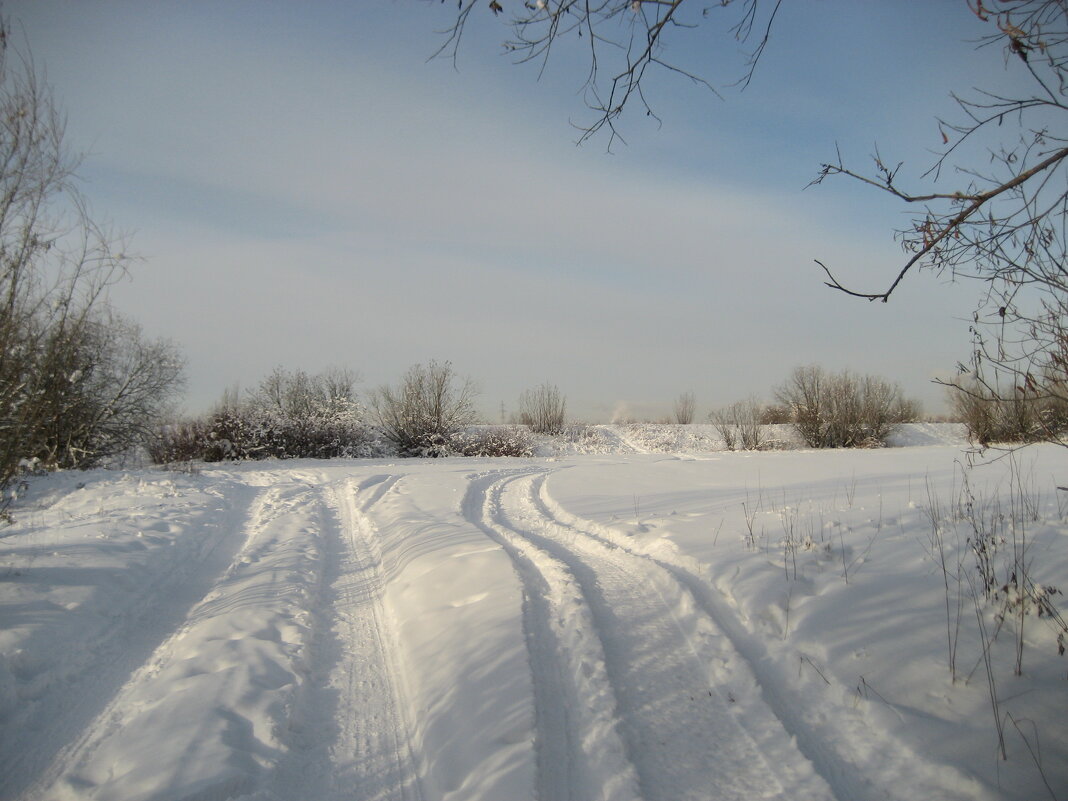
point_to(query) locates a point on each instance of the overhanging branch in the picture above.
(975, 201)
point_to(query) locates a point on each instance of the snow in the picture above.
(636, 616)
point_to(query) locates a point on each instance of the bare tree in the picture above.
(685, 406)
(73, 379)
(543, 409)
(993, 206)
(429, 408)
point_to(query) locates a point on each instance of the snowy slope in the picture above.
(614, 626)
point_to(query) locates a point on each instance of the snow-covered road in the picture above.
(564, 630)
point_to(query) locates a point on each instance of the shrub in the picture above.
(684, 408)
(775, 414)
(427, 411)
(543, 409)
(178, 442)
(494, 441)
(991, 414)
(291, 415)
(843, 410)
(740, 425)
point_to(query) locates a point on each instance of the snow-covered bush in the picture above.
(844, 410)
(291, 415)
(494, 441)
(177, 442)
(425, 413)
(91, 389)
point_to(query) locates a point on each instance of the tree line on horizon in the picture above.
(431, 412)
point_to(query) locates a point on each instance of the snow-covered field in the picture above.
(630, 624)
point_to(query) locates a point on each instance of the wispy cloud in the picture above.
(304, 200)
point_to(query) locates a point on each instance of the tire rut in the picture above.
(665, 657)
(350, 738)
(580, 754)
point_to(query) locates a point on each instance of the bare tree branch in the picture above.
(622, 37)
(975, 201)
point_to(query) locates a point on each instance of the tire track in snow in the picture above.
(825, 746)
(349, 737)
(67, 717)
(580, 755)
(378, 486)
(662, 655)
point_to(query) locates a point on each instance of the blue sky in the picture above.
(307, 190)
